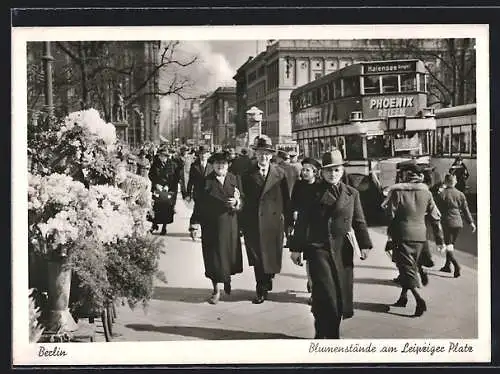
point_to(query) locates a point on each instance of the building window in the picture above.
(371, 85)
(390, 83)
(317, 75)
(252, 76)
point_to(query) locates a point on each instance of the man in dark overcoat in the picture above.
(265, 216)
(334, 228)
(241, 164)
(199, 169)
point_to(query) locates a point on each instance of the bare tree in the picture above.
(94, 68)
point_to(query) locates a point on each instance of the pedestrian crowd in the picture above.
(271, 201)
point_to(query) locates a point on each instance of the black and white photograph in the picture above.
(251, 194)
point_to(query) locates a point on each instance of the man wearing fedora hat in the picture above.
(329, 242)
(199, 169)
(265, 216)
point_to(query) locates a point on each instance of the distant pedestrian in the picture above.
(452, 204)
(265, 216)
(459, 170)
(291, 172)
(295, 163)
(217, 205)
(334, 213)
(407, 205)
(199, 169)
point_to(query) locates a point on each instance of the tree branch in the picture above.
(73, 56)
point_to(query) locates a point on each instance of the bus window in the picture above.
(455, 139)
(390, 83)
(422, 80)
(446, 140)
(324, 94)
(473, 139)
(337, 88)
(371, 84)
(439, 141)
(341, 145)
(378, 147)
(354, 147)
(351, 86)
(408, 82)
(321, 146)
(328, 144)
(331, 91)
(426, 139)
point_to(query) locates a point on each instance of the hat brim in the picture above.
(335, 164)
(272, 150)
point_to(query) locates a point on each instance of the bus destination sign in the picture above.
(390, 67)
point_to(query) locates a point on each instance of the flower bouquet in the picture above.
(89, 215)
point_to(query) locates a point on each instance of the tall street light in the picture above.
(47, 66)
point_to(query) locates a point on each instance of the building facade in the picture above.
(218, 115)
(267, 80)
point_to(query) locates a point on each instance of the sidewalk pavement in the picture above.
(179, 311)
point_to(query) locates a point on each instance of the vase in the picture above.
(58, 318)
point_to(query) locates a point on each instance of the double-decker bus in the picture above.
(375, 112)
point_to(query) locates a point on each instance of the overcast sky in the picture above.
(216, 65)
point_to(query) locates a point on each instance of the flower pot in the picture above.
(57, 318)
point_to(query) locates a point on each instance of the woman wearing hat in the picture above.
(302, 194)
(452, 204)
(164, 174)
(408, 204)
(218, 201)
(265, 216)
(459, 170)
(329, 246)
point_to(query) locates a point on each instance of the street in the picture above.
(179, 311)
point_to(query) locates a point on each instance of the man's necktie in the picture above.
(335, 191)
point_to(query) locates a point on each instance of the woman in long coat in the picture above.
(164, 175)
(218, 202)
(334, 226)
(408, 206)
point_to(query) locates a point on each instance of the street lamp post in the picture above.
(254, 121)
(47, 65)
